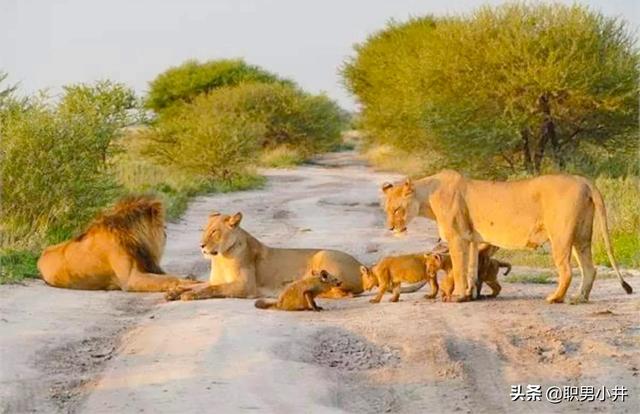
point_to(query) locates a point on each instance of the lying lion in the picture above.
(300, 295)
(512, 215)
(391, 271)
(121, 249)
(488, 269)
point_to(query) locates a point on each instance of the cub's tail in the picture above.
(505, 264)
(265, 304)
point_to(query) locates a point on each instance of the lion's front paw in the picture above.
(459, 298)
(430, 296)
(552, 298)
(578, 299)
(189, 295)
(173, 294)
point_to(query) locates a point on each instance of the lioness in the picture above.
(241, 266)
(300, 294)
(391, 271)
(121, 249)
(512, 215)
(488, 269)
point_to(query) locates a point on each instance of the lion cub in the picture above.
(391, 271)
(300, 294)
(488, 269)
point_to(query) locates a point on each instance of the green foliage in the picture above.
(16, 265)
(220, 134)
(621, 200)
(519, 87)
(175, 186)
(54, 169)
(281, 157)
(185, 82)
(538, 278)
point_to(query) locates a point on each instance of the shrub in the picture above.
(53, 161)
(185, 82)
(222, 133)
(206, 142)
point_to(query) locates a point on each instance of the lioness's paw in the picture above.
(189, 295)
(173, 294)
(458, 298)
(576, 300)
(552, 298)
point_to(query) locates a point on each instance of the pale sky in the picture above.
(49, 43)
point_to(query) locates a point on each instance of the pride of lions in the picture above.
(122, 248)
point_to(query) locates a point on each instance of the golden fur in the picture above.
(121, 249)
(243, 267)
(488, 269)
(391, 271)
(300, 294)
(513, 215)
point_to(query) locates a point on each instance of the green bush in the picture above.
(54, 162)
(220, 134)
(205, 142)
(518, 87)
(621, 197)
(185, 82)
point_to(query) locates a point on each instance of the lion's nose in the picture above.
(202, 246)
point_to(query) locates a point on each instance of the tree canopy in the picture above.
(519, 87)
(182, 83)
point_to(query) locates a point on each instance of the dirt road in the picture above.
(103, 352)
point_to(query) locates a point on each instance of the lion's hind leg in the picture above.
(588, 271)
(561, 251)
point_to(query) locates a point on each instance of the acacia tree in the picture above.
(511, 85)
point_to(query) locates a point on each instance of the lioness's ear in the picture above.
(314, 273)
(386, 187)
(234, 220)
(364, 270)
(408, 188)
(324, 275)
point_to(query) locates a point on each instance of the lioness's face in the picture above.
(369, 279)
(400, 205)
(220, 234)
(326, 277)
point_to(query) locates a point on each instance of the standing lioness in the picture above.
(512, 215)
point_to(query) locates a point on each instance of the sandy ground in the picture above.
(114, 352)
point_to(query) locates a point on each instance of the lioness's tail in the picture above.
(413, 287)
(598, 202)
(265, 303)
(504, 264)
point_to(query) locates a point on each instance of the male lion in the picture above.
(511, 215)
(121, 249)
(243, 267)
